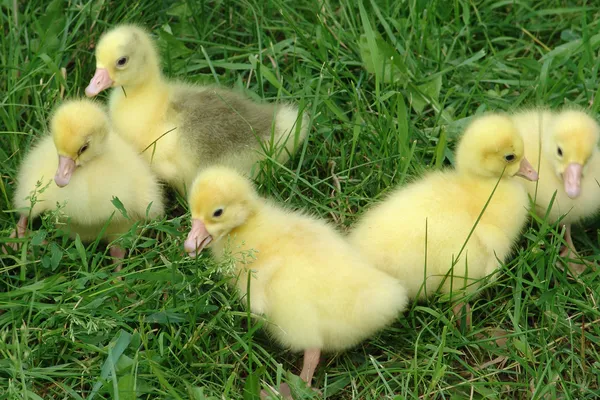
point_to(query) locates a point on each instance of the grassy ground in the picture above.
(170, 328)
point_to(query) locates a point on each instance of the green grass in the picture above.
(171, 328)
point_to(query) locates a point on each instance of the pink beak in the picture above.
(572, 179)
(527, 171)
(66, 167)
(99, 82)
(197, 239)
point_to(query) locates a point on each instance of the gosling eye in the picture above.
(83, 148)
(509, 157)
(121, 62)
(218, 212)
(559, 152)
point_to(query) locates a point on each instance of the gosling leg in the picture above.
(18, 232)
(311, 360)
(570, 252)
(310, 363)
(118, 254)
(461, 310)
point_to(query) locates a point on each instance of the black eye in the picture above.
(218, 212)
(83, 148)
(122, 61)
(559, 152)
(509, 157)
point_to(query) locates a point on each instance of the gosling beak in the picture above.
(99, 82)
(197, 239)
(572, 179)
(66, 167)
(527, 171)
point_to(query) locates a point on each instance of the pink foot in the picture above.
(19, 232)
(14, 246)
(577, 267)
(284, 391)
(118, 254)
(461, 310)
(569, 252)
(310, 362)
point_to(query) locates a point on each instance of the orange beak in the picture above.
(197, 239)
(99, 82)
(527, 171)
(66, 167)
(572, 179)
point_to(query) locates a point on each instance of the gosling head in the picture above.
(220, 200)
(125, 56)
(79, 129)
(492, 147)
(568, 145)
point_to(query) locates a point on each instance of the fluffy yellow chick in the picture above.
(418, 233)
(90, 165)
(315, 290)
(565, 145)
(182, 127)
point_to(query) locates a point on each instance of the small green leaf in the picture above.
(180, 10)
(402, 118)
(252, 387)
(119, 206)
(81, 251)
(266, 73)
(38, 237)
(54, 68)
(96, 9)
(570, 49)
(165, 317)
(155, 276)
(379, 56)
(466, 14)
(168, 229)
(147, 243)
(49, 27)
(117, 348)
(197, 393)
(568, 35)
(333, 107)
(426, 93)
(367, 44)
(471, 60)
(56, 256)
(127, 388)
(31, 395)
(164, 382)
(521, 346)
(54, 9)
(169, 44)
(46, 261)
(299, 388)
(440, 150)
(124, 364)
